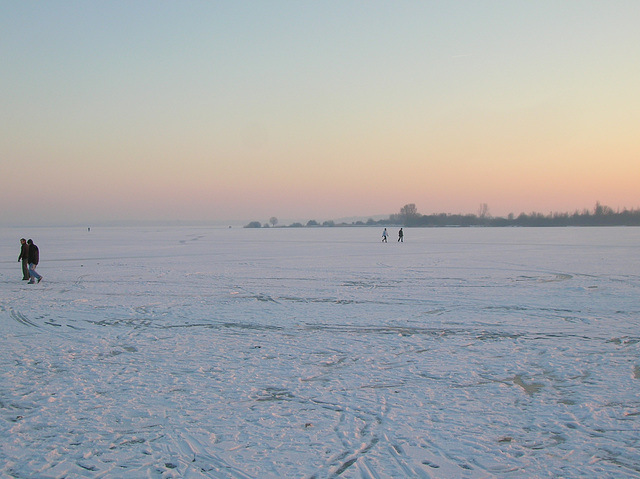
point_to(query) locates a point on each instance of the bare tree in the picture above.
(483, 211)
(409, 211)
(273, 220)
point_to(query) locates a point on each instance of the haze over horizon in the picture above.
(214, 111)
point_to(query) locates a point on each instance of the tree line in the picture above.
(600, 216)
(408, 216)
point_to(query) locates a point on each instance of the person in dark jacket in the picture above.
(24, 257)
(34, 258)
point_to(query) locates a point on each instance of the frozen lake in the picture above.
(239, 353)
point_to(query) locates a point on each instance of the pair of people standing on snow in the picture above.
(385, 236)
(30, 257)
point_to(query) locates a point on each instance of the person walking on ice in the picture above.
(34, 258)
(400, 236)
(24, 257)
(385, 235)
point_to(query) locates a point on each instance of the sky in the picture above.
(238, 111)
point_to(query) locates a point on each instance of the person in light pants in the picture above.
(34, 257)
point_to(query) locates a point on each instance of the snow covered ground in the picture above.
(235, 353)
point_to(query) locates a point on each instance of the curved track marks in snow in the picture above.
(323, 353)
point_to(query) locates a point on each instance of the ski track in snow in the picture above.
(321, 353)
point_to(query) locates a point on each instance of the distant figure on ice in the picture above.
(34, 257)
(400, 236)
(24, 257)
(384, 235)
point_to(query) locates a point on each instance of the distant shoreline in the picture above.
(409, 217)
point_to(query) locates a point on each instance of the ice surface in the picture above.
(237, 353)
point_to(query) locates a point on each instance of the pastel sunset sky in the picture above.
(238, 111)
